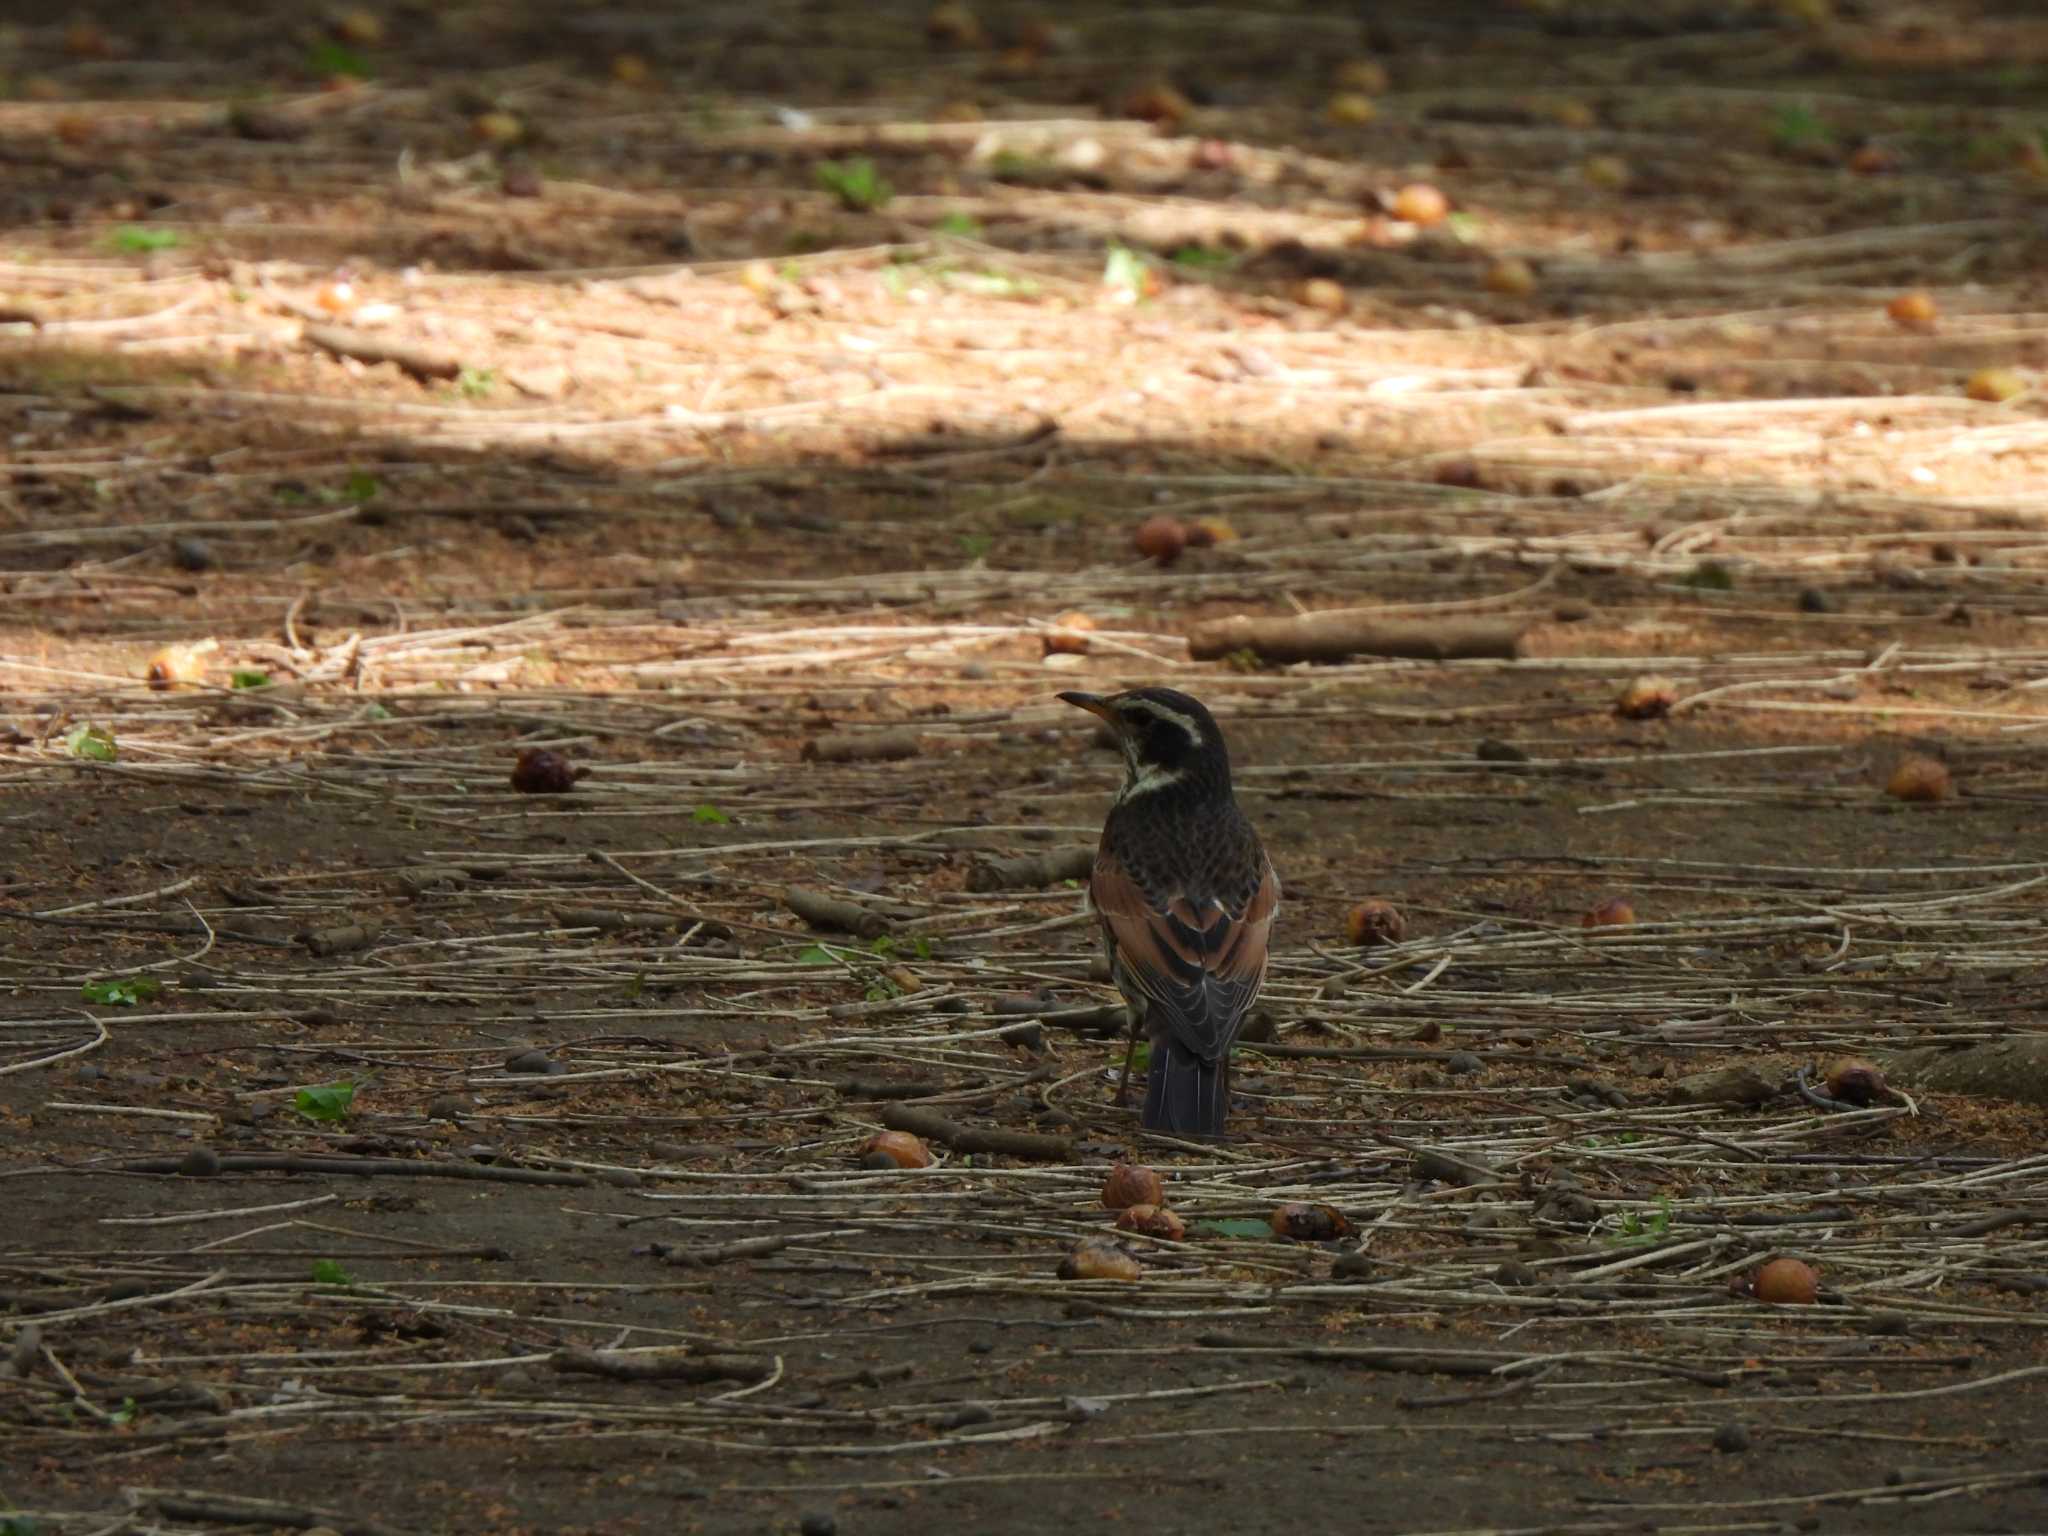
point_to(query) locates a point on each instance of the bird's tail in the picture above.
(1184, 1094)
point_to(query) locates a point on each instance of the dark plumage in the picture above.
(1186, 896)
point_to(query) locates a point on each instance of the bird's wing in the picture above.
(1198, 965)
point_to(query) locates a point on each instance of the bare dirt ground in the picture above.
(389, 1149)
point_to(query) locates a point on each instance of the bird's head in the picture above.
(1167, 739)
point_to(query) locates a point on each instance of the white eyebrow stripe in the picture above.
(1161, 712)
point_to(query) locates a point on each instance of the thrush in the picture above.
(1186, 896)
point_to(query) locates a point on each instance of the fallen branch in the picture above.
(365, 348)
(666, 1362)
(974, 1138)
(822, 911)
(242, 1509)
(1411, 1053)
(862, 747)
(366, 1167)
(1033, 871)
(1420, 1362)
(1338, 636)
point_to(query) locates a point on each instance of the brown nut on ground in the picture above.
(1920, 780)
(539, 771)
(1647, 698)
(1614, 913)
(1309, 1222)
(1132, 1184)
(1068, 635)
(1375, 922)
(1097, 1258)
(1161, 538)
(1152, 1221)
(1856, 1081)
(1786, 1282)
(897, 1149)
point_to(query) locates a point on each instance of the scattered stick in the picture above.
(823, 911)
(1421, 1362)
(664, 1362)
(863, 747)
(1033, 871)
(364, 1167)
(244, 1509)
(1338, 636)
(365, 348)
(972, 1138)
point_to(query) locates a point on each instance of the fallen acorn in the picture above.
(1152, 1221)
(540, 771)
(1308, 1222)
(1853, 1080)
(1097, 1258)
(1614, 913)
(1206, 532)
(1069, 635)
(1786, 1282)
(1920, 780)
(1132, 1184)
(179, 666)
(1161, 538)
(1647, 698)
(1375, 922)
(894, 1149)
(1420, 203)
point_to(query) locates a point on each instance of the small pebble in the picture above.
(1514, 1272)
(981, 1347)
(819, 1522)
(1813, 600)
(448, 1106)
(531, 1061)
(1463, 1062)
(190, 554)
(1730, 1438)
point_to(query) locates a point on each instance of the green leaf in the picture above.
(19, 1525)
(1710, 576)
(377, 712)
(707, 812)
(135, 240)
(1141, 1057)
(248, 679)
(856, 183)
(977, 545)
(1125, 271)
(1204, 258)
(816, 954)
(883, 946)
(123, 991)
(958, 223)
(328, 57)
(362, 486)
(1797, 124)
(125, 1414)
(326, 1101)
(475, 383)
(330, 1272)
(921, 947)
(1235, 1226)
(94, 743)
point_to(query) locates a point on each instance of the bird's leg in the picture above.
(1123, 1082)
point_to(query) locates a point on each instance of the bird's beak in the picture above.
(1095, 704)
